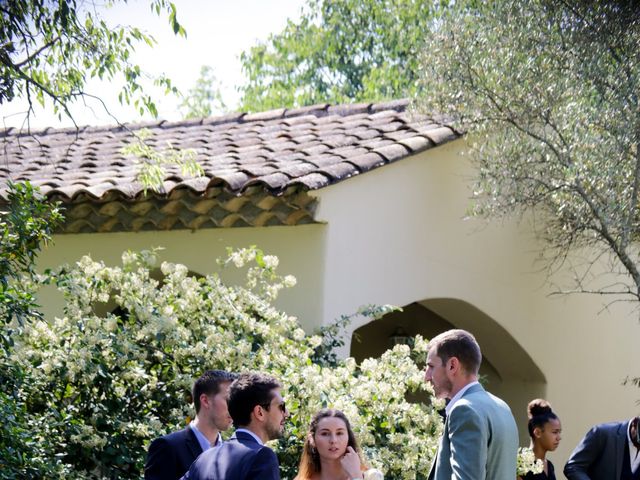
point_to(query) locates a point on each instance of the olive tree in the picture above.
(548, 93)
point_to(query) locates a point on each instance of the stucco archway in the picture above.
(507, 369)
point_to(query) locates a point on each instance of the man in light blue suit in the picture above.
(480, 438)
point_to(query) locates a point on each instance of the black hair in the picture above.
(539, 413)
(247, 391)
(209, 384)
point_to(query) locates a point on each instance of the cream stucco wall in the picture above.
(398, 235)
(300, 249)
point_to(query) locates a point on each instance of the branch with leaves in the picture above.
(50, 50)
(153, 162)
(548, 92)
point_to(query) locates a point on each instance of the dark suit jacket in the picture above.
(241, 458)
(171, 456)
(599, 455)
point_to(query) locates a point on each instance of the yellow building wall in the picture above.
(399, 235)
(300, 250)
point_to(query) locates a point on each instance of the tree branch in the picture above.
(30, 58)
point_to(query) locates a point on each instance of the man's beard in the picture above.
(445, 389)
(273, 432)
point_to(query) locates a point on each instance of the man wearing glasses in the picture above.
(259, 413)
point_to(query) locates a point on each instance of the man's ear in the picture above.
(204, 400)
(453, 365)
(258, 412)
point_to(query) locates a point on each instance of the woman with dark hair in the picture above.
(331, 450)
(545, 431)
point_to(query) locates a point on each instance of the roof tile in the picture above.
(440, 135)
(313, 181)
(275, 151)
(392, 152)
(340, 171)
(367, 161)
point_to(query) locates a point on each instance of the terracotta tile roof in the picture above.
(279, 153)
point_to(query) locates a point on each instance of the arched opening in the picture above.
(507, 370)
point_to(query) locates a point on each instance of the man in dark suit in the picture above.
(171, 456)
(480, 438)
(259, 413)
(609, 451)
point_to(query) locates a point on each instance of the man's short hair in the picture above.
(209, 384)
(247, 391)
(460, 344)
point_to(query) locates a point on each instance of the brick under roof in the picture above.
(279, 153)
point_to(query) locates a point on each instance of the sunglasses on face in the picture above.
(282, 406)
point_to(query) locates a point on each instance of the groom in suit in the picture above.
(609, 451)
(259, 414)
(171, 456)
(480, 438)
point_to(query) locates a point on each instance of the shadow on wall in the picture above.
(508, 371)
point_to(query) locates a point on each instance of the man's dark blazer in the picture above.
(171, 456)
(600, 454)
(240, 458)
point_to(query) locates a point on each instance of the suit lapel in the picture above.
(445, 428)
(192, 443)
(621, 438)
(445, 432)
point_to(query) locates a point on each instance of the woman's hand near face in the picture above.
(350, 462)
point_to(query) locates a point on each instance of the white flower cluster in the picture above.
(120, 362)
(527, 462)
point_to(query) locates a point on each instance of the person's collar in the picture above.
(629, 439)
(458, 395)
(250, 433)
(204, 442)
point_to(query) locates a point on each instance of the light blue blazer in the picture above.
(480, 440)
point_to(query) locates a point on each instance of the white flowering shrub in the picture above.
(527, 462)
(103, 385)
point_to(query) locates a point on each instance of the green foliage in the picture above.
(332, 335)
(26, 223)
(548, 91)
(51, 49)
(152, 162)
(116, 369)
(205, 97)
(340, 51)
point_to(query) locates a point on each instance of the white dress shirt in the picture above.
(634, 453)
(458, 395)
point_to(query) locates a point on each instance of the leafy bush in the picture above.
(25, 223)
(114, 372)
